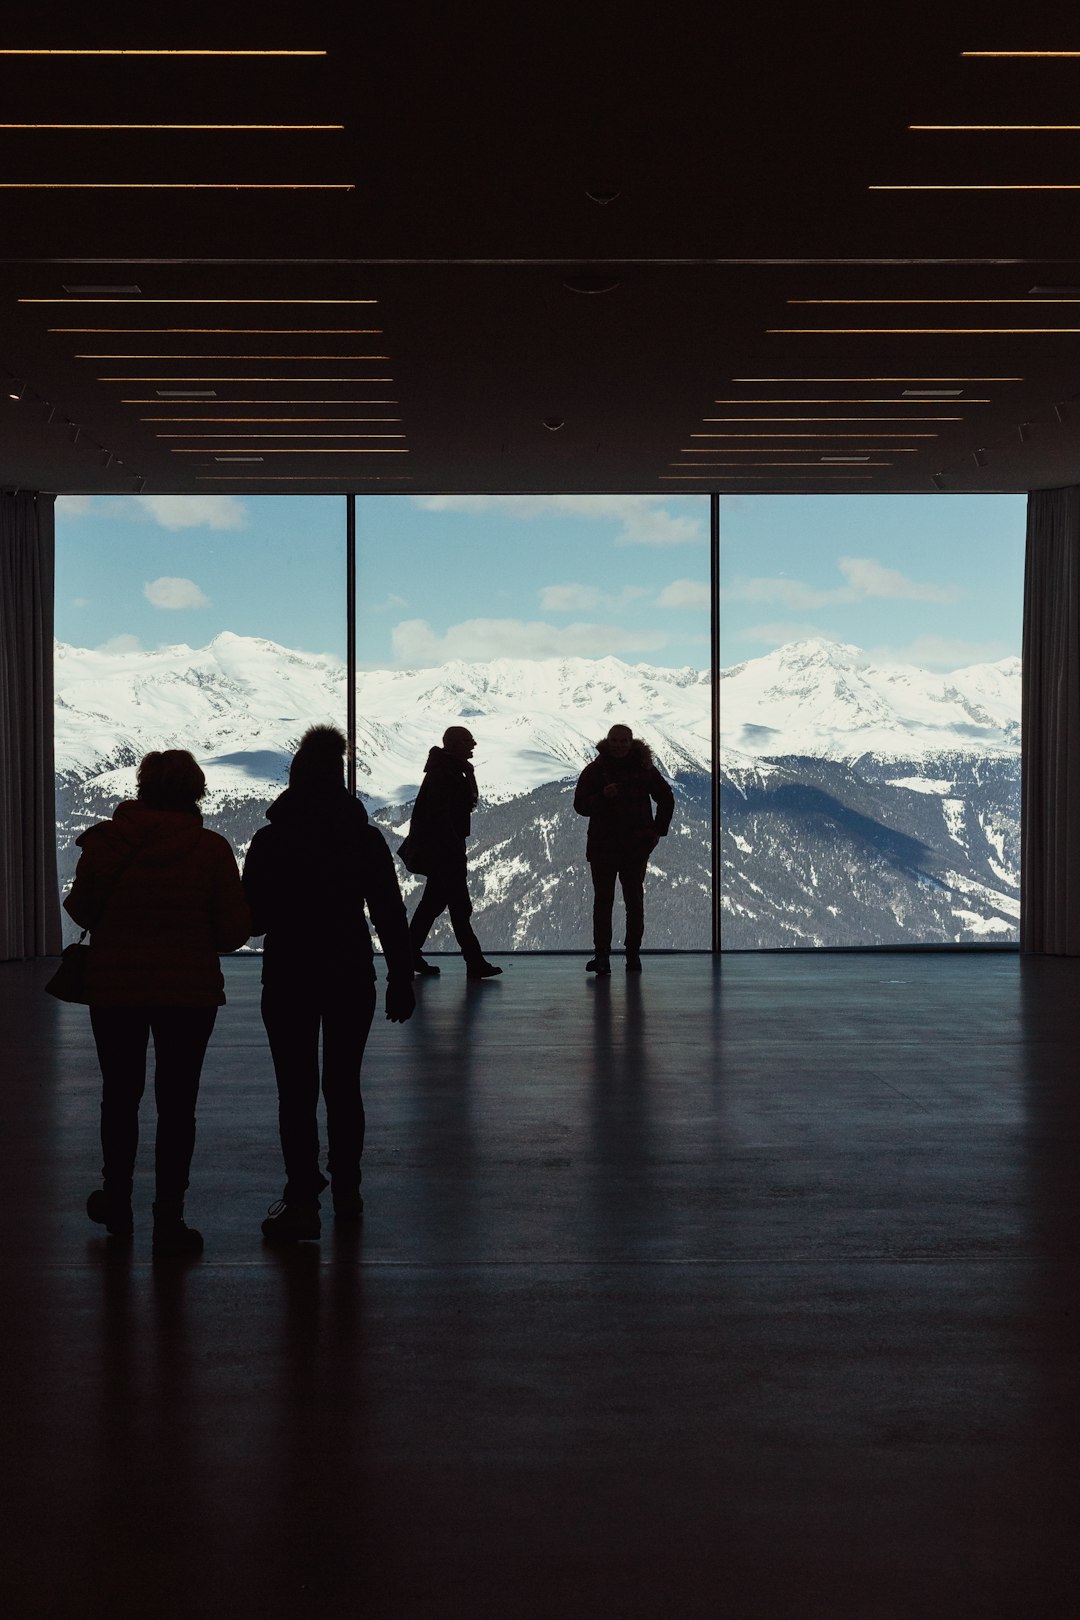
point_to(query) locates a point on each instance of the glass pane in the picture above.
(539, 622)
(870, 719)
(211, 623)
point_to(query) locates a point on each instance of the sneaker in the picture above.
(598, 964)
(633, 961)
(175, 1238)
(290, 1223)
(348, 1204)
(114, 1215)
(482, 970)
(426, 970)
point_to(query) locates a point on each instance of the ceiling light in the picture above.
(178, 452)
(368, 359)
(1014, 127)
(1025, 301)
(17, 391)
(133, 290)
(874, 435)
(755, 478)
(144, 301)
(832, 419)
(874, 379)
(1020, 53)
(212, 419)
(923, 331)
(280, 435)
(20, 51)
(363, 380)
(843, 459)
(864, 460)
(195, 394)
(231, 331)
(289, 127)
(238, 458)
(789, 449)
(177, 185)
(965, 186)
(980, 458)
(916, 393)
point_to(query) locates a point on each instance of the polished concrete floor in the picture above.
(744, 1290)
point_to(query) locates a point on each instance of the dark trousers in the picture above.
(448, 887)
(293, 1019)
(630, 872)
(123, 1035)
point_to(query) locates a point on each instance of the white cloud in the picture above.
(72, 506)
(778, 633)
(174, 593)
(645, 519)
(416, 643)
(392, 600)
(870, 578)
(793, 594)
(685, 593)
(193, 511)
(121, 644)
(943, 652)
(586, 598)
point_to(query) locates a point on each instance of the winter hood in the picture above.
(157, 837)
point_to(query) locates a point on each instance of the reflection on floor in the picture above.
(745, 1290)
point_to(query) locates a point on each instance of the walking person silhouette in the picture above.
(617, 792)
(161, 896)
(435, 847)
(308, 877)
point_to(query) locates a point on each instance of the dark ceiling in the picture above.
(716, 171)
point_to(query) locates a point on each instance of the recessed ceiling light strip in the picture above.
(897, 400)
(752, 478)
(177, 185)
(832, 419)
(228, 331)
(166, 395)
(874, 435)
(923, 331)
(875, 379)
(1021, 53)
(304, 478)
(249, 436)
(362, 380)
(291, 128)
(366, 359)
(708, 465)
(140, 302)
(1027, 303)
(210, 420)
(129, 51)
(996, 185)
(1014, 128)
(206, 450)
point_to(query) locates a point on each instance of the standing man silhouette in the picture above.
(441, 822)
(617, 792)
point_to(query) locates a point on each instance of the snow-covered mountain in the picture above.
(862, 802)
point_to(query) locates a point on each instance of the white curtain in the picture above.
(1050, 814)
(29, 904)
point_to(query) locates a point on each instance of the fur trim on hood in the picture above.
(640, 754)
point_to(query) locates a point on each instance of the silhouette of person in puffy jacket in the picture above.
(161, 895)
(617, 792)
(441, 822)
(308, 877)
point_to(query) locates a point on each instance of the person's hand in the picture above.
(400, 1002)
(611, 791)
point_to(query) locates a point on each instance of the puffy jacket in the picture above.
(308, 877)
(442, 815)
(623, 824)
(161, 896)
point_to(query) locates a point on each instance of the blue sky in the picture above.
(936, 580)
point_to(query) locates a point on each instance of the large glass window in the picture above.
(870, 719)
(213, 623)
(539, 622)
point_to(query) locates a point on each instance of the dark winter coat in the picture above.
(442, 815)
(308, 877)
(161, 896)
(624, 825)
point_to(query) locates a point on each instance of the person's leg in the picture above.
(432, 904)
(121, 1035)
(632, 881)
(181, 1035)
(603, 880)
(347, 1017)
(292, 1028)
(461, 908)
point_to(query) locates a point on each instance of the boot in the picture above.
(348, 1203)
(114, 1214)
(633, 959)
(291, 1223)
(426, 970)
(598, 964)
(173, 1238)
(482, 970)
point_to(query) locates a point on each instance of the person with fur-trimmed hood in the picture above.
(617, 793)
